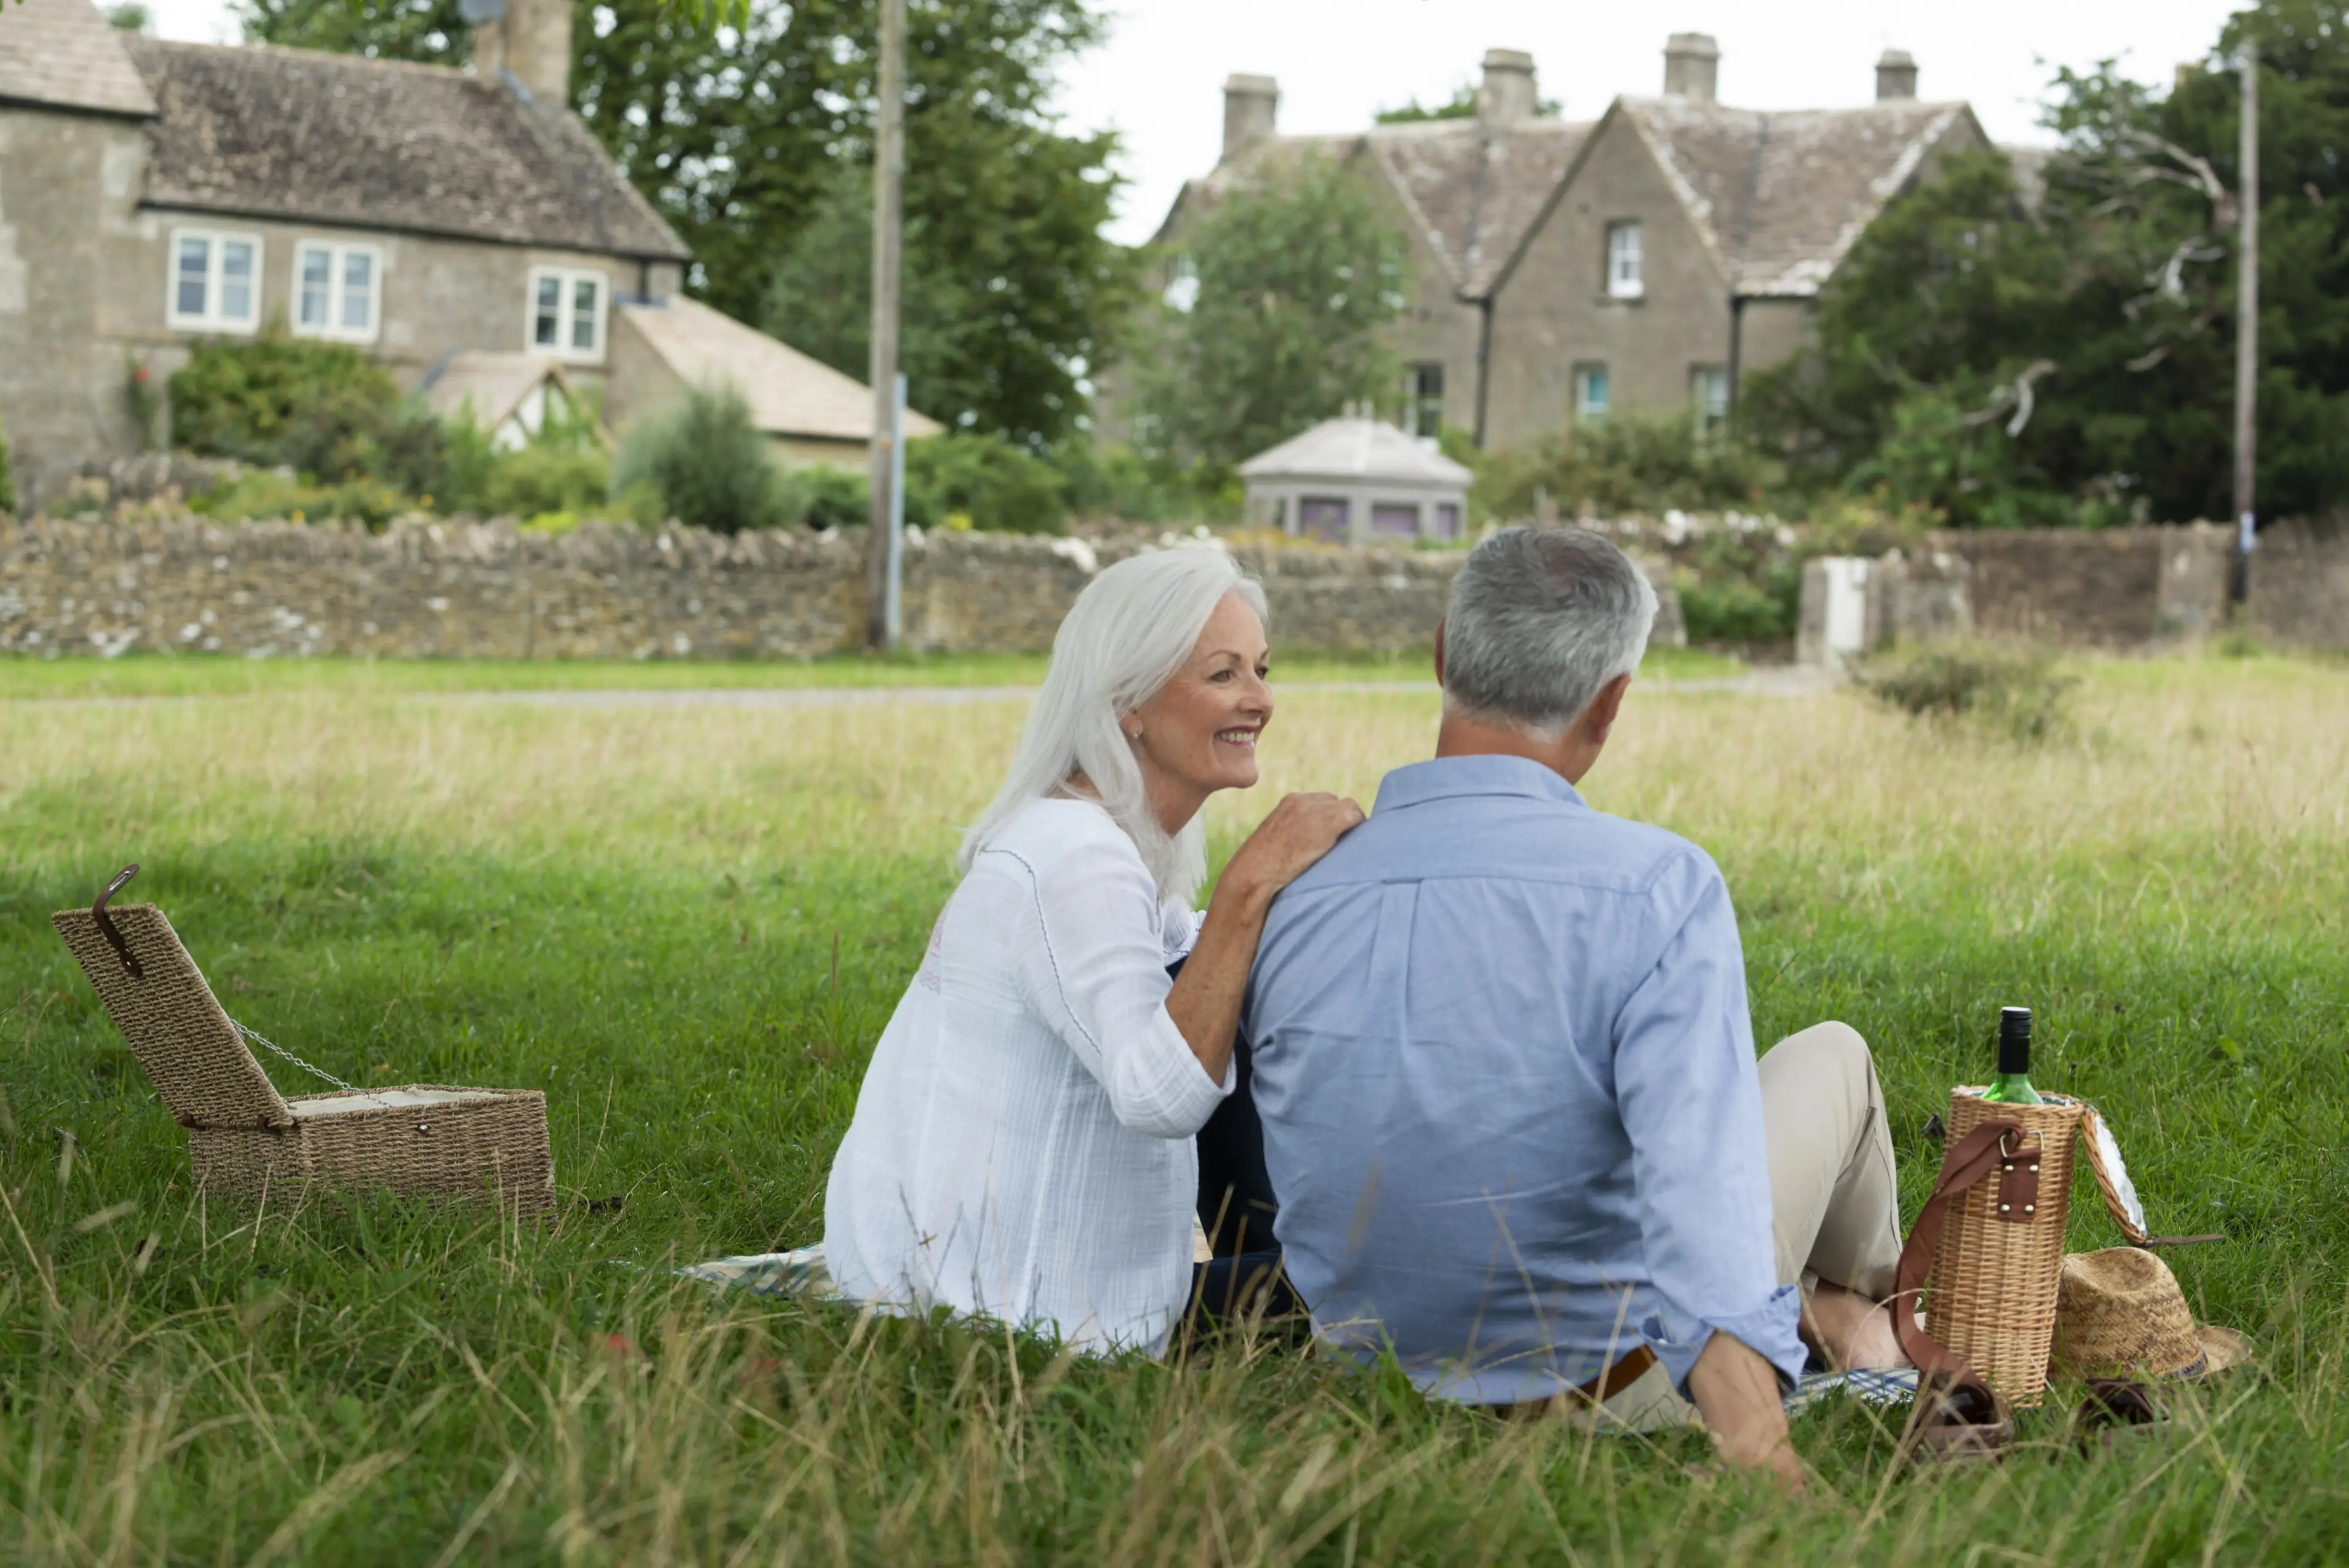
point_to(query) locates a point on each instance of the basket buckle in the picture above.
(2018, 1177)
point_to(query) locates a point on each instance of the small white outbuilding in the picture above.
(1357, 481)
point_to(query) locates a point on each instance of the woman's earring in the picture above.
(1132, 735)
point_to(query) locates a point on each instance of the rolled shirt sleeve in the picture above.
(1097, 973)
(1691, 1102)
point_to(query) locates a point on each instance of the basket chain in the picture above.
(307, 1066)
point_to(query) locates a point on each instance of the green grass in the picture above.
(688, 927)
(214, 675)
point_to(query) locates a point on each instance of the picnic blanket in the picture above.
(802, 1273)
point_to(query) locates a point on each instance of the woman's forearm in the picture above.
(1205, 1001)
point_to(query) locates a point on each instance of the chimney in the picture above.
(1692, 67)
(1896, 75)
(1507, 95)
(1251, 106)
(526, 42)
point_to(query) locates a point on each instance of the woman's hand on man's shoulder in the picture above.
(1298, 831)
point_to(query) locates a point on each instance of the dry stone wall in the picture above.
(427, 589)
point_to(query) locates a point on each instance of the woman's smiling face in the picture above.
(1198, 733)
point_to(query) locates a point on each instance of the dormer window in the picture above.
(215, 282)
(337, 291)
(566, 313)
(1623, 281)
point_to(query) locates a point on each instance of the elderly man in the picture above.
(1506, 1076)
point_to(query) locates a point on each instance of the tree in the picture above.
(745, 137)
(2073, 360)
(1008, 278)
(1276, 319)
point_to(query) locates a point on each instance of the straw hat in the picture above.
(2120, 1311)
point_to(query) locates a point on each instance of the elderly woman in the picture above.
(1023, 1144)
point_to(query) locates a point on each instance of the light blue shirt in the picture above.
(1507, 1082)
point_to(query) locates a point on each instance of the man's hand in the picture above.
(1737, 1393)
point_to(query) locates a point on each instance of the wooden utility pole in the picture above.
(2247, 332)
(888, 224)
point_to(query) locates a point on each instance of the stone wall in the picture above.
(2124, 589)
(2299, 585)
(484, 590)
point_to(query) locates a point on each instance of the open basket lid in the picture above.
(158, 998)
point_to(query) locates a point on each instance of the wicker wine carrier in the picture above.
(422, 1141)
(1990, 1297)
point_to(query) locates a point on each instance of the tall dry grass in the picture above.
(179, 1384)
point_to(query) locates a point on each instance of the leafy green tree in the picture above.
(1461, 106)
(747, 137)
(2073, 360)
(1276, 319)
(1007, 279)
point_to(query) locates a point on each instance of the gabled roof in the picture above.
(1473, 193)
(382, 144)
(62, 54)
(1781, 195)
(1356, 449)
(789, 392)
(493, 385)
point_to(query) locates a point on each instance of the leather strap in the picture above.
(1627, 1369)
(1979, 1154)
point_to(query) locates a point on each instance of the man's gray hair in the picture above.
(1540, 619)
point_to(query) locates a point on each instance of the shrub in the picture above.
(539, 479)
(987, 479)
(1740, 583)
(1627, 462)
(322, 409)
(709, 464)
(835, 498)
(269, 493)
(2015, 689)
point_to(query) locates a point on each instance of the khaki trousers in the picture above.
(1835, 1201)
(1833, 1193)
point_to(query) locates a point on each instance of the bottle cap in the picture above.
(2014, 1040)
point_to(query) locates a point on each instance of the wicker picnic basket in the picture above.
(246, 1143)
(1992, 1294)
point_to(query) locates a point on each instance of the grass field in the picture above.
(209, 676)
(688, 925)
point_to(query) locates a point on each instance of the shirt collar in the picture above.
(1484, 773)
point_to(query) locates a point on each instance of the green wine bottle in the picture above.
(2013, 1085)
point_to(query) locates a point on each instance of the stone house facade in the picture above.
(1649, 259)
(154, 195)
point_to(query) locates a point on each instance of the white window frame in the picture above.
(1583, 408)
(1712, 413)
(569, 277)
(1626, 265)
(337, 252)
(210, 319)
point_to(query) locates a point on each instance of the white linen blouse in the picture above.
(1021, 1147)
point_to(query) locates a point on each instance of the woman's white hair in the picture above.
(1123, 639)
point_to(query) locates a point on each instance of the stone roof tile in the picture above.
(1356, 449)
(1474, 194)
(62, 53)
(1781, 195)
(789, 393)
(383, 144)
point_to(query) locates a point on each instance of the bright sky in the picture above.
(1159, 79)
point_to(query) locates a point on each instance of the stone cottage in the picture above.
(1647, 259)
(155, 194)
